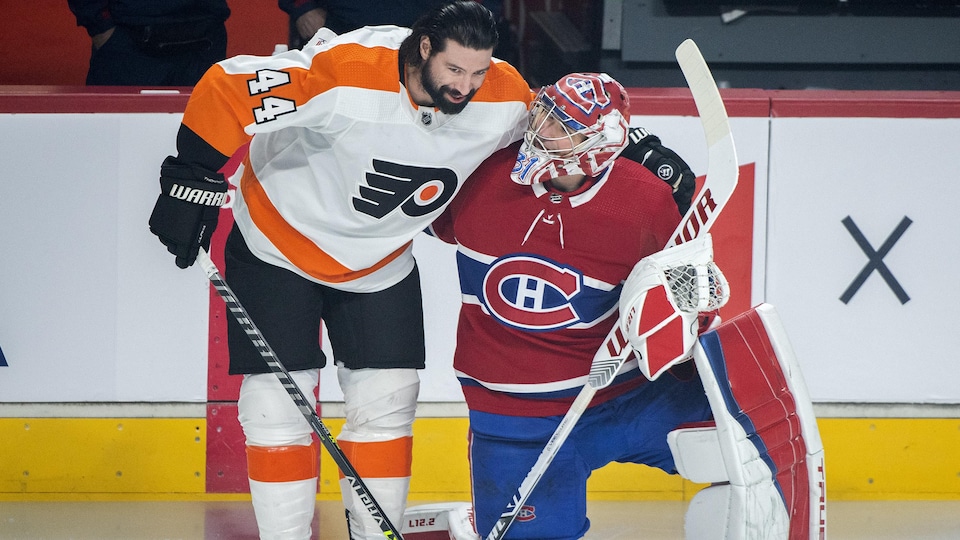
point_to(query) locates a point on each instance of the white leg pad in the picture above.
(391, 495)
(720, 513)
(284, 510)
(766, 431)
(267, 413)
(696, 453)
(269, 417)
(440, 521)
(380, 405)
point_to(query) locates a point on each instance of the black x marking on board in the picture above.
(876, 260)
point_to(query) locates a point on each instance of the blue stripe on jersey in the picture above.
(625, 376)
(533, 293)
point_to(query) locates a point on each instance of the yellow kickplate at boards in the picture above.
(102, 455)
(891, 458)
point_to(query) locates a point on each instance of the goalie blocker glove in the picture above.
(187, 209)
(646, 149)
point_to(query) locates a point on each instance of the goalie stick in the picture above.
(721, 180)
(300, 400)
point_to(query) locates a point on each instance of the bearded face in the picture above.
(445, 97)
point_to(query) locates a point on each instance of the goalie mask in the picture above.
(662, 298)
(577, 126)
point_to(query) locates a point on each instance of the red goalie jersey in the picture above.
(540, 273)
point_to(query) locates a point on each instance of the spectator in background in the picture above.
(152, 42)
(340, 16)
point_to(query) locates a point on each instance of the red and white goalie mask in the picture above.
(577, 126)
(662, 298)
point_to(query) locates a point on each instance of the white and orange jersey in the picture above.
(343, 169)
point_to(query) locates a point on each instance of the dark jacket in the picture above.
(98, 16)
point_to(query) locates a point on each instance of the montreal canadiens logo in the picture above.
(584, 92)
(531, 293)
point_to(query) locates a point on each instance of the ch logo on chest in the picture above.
(531, 293)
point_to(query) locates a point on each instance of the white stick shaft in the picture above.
(722, 169)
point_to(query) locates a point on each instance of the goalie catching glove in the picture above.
(187, 209)
(662, 300)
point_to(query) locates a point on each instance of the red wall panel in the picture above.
(43, 45)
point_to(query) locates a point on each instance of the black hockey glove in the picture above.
(645, 148)
(187, 209)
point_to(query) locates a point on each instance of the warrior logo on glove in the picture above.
(198, 196)
(186, 212)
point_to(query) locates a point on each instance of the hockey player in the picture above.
(541, 284)
(350, 147)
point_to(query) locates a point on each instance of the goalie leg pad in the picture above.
(766, 428)
(716, 513)
(722, 511)
(696, 453)
(377, 438)
(440, 521)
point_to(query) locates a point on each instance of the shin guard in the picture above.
(765, 449)
(377, 438)
(283, 488)
(282, 457)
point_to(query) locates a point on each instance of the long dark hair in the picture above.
(467, 22)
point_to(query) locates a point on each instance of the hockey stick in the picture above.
(721, 180)
(300, 400)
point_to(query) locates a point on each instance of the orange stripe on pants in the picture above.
(385, 459)
(283, 463)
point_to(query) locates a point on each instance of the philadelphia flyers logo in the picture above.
(416, 191)
(531, 293)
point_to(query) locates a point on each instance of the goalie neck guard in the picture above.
(577, 126)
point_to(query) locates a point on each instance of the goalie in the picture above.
(540, 289)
